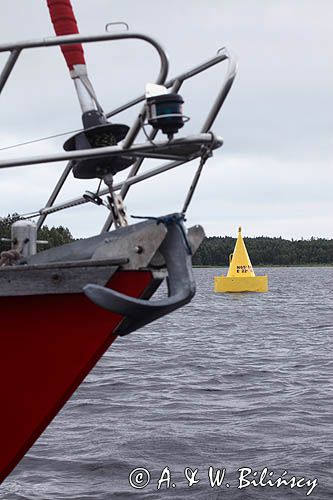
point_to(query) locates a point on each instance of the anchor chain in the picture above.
(116, 204)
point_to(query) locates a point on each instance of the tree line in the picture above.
(55, 236)
(215, 251)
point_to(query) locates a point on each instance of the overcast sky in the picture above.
(274, 174)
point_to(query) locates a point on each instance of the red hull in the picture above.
(48, 344)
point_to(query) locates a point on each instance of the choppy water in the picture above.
(230, 381)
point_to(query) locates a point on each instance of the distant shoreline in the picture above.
(265, 251)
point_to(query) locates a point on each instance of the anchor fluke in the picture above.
(181, 285)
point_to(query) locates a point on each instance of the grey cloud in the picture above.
(276, 123)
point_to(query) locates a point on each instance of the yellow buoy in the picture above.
(240, 277)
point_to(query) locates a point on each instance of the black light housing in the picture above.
(165, 113)
(107, 134)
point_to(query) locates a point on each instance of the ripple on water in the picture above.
(231, 380)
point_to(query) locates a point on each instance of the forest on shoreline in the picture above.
(264, 251)
(55, 236)
(215, 250)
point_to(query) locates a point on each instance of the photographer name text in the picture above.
(140, 478)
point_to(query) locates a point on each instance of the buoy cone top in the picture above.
(240, 264)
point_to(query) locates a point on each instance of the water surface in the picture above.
(230, 381)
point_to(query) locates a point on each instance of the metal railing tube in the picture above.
(10, 63)
(184, 76)
(55, 193)
(231, 73)
(135, 168)
(16, 48)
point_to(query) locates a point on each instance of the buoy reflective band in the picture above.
(64, 23)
